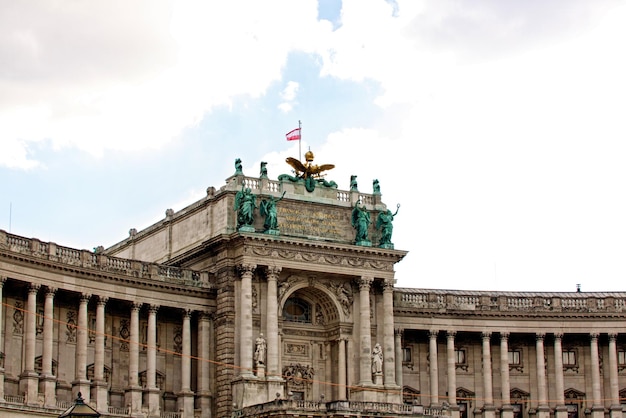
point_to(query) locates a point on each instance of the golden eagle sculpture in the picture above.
(308, 172)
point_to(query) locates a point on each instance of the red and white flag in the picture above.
(294, 135)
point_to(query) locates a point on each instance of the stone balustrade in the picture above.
(459, 300)
(102, 262)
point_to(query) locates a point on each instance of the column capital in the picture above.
(153, 308)
(246, 269)
(84, 297)
(34, 288)
(451, 334)
(612, 336)
(136, 306)
(102, 300)
(432, 333)
(187, 313)
(2, 280)
(206, 316)
(388, 285)
(558, 335)
(505, 335)
(50, 291)
(399, 331)
(486, 335)
(273, 272)
(540, 336)
(594, 335)
(365, 282)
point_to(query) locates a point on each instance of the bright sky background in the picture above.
(499, 126)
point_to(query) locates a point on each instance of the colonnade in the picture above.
(542, 406)
(96, 391)
(364, 339)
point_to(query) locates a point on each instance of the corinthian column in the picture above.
(245, 320)
(365, 332)
(102, 390)
(616, 408)
(341, 364)
(389, 364)
(2, 280)
(185, 397)
(561, 408)
(133, 393)
(434, 367)
(597, 408)
(487, 376)
(543, 410)
(29, 378)
(154, 408)
(49, 380)
(507, 409)
(204, 389)
(398, 333)
(451, 362)
(271, 324)
(80, 383)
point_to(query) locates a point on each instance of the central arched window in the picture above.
(297, 310)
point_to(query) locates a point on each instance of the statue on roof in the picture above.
(361, 222)
(245, 203)
(308, 172)
(268, 209)
(384, 222)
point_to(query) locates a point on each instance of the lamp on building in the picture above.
(80, 410)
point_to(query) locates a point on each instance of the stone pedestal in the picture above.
(185, 403)
(49, 391)
(133, 400)
(100, 393)
(561, 411)
(29, 385)
(378, 378)
(154, 405)
(260, 371)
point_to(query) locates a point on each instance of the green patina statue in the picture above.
(361, 222)
(238, 167)
(268, 209)
(245, 203)
(384, 222)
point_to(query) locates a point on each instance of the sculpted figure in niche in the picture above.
(245, 203)
(377, 359)
(259, 351)
(384, 222)
(360, 222)
(268, 209)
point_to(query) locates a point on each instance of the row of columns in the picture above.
(390, 366)
(543, 408)
(30, 379)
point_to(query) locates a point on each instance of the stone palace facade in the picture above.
(197, 317)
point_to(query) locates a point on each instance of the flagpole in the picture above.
(300, 141)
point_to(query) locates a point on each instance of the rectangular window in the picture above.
(515, 358)
(459, 355)
(569, 358)
(406, 354)
(621, 358)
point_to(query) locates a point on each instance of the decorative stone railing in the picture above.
(459, 300)
(346, 407)
(102, 262)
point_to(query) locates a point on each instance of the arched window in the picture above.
(297, 310)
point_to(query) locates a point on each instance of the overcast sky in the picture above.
(499, 126)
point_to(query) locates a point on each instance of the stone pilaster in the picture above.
(389, 352)
(271, 324)
(365, 330)
(133, 395)
(29, 379)
(204, 388)
(398, 334)
(543, 409)
(3, 279)
(451, 362)
(186, 396)
(489, 409)
(506, 409)
(49, 380)
(100, 384)
(245, 320)
(80, 383)
(561, 409)
(434, 367)
(154, 407)
(597, 407)
(341, 373)
(615, 408)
